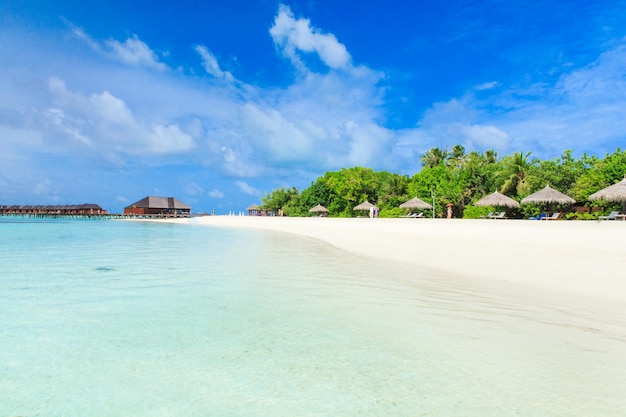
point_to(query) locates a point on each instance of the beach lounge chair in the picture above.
(488, 216)
(501, 215)
(415, 216)
(555, 216)
(612, 216)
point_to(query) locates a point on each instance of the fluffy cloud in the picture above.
(277, 138)
(293, 36)
(369, 145)
(103, 122)
(168, 139)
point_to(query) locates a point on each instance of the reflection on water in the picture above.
(143, 320)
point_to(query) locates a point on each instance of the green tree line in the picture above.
(454, 176)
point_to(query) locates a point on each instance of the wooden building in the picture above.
(52, 210)
(159, 206)
(255, 210)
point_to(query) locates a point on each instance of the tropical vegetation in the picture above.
(458, 178)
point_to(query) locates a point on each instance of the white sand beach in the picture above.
(569, 258)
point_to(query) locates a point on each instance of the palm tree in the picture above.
(480, 169)
(434, 157)
(517, 173)
(491, 156)
(457, 158)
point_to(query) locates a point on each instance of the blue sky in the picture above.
(217, 103)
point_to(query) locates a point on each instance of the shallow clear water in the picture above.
(106, 318)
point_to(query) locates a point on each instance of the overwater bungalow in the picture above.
(54, 210)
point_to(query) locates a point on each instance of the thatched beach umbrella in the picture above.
(365, 206)
(415, 203)
(615, 192)
(320, 209)
(497, 200)
(548, 195)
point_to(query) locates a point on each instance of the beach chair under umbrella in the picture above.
(497, 200)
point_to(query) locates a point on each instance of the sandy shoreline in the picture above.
(577, 258)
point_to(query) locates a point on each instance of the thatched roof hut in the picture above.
(254, 210)
(497, 200)
(615, 192)
(366, 205)
(548, 195)
(320, 209)
(415, 203)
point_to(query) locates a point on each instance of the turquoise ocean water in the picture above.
(109, 318)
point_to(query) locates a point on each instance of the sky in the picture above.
(218, 103)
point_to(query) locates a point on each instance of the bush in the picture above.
(582, 216)
(391, 212)
(474, 212)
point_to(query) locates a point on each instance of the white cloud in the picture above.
(296, 35)
(239, 161)
(484, 137)
(247, 189)
(66, 125)
(487, 86)
(369, 145)
(133, 51)
(169, 139)
(80, 34)
(110, 109)
(276, 137)
(215, 193)
(103, 122)
(209, 62)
